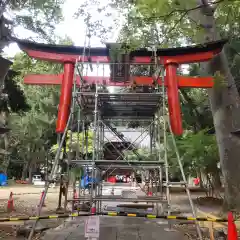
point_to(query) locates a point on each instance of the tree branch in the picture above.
(166, 16)
(175, 25)
(194, 110)
(3, 7)
(205, 2)
(183, 13)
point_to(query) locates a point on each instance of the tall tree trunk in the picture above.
(24, 171)
(225, 102)
(6, 158)
(216, 182)
(202, 177)
(30, 168)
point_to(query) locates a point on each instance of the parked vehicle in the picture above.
(36, 178)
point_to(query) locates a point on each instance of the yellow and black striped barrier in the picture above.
(149, 216)
(13, 219)
(202, 219)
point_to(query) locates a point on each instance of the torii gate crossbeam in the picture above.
(171, 58)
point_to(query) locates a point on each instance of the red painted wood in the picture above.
(65, 97)
(173, 82)
(188, 58)
(183, 81)
(180, 59)
(55, 57)
(173, 99)
(195, 82)
(43, 79)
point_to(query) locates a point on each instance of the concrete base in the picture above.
(60, 211)
(121, 228)
(26, 229)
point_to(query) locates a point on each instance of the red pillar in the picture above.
(65, 97)
(173, 98)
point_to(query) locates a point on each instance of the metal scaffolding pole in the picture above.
(52, 175)
(102, 140)
(78, 131)
(165, 125)
(151, 138)
(186, 184)
(94, 154)
(165, 144)
(157, 134)
(124, 158)
(98, 139)
(71, 131)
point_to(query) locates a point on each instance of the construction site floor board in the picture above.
(119, 228)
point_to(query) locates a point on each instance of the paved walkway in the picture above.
(123, 228)
(116, 228)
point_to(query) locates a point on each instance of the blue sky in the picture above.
(71, 27)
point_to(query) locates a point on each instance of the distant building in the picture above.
(114, 145)
(139, 136)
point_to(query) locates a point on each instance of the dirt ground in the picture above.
(26, 199)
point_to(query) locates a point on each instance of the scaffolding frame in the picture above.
(100, 107)
(95, 102)
(128, 106)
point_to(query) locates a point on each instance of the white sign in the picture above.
(92, 227)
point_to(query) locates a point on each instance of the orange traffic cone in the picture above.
(232, 230)
(10, 204)
(43, 205)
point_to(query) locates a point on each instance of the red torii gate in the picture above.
(171, 58)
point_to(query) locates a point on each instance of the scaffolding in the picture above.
(94, 108)
(93, 111)
(108, 106)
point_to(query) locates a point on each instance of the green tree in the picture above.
(198, 21)
(199, 155)
(144, 154)
(170, 24)
(33, 132)
(76, 142)
(38, 16)
(13, 101)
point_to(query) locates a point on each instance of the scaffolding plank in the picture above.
(119, 162)
(109, 198)
(122, 105)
